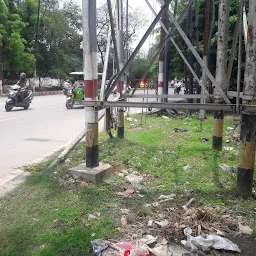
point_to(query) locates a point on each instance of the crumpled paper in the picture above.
(205, 243)
(146, 246)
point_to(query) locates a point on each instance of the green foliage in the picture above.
(138, 67)
(16, 52)
(59, 50)
(177, 65)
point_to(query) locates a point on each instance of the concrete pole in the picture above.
(160, 85)
(248, 126)
(120, 49)
(90, 81)
(202, 113)
(1, 71)
(198, 89)
(245, 25)
(167, 58)
(221, 70)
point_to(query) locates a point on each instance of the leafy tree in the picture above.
(17, 56)
(177, 64)
(59, 50)
(3, 18)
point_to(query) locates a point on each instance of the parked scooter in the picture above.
(15, 98)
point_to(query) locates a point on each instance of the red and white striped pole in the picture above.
(120, 49)
(160, 85)
(90, 81)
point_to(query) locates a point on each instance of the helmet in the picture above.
(22, 76)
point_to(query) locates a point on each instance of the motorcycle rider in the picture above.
(23, 86)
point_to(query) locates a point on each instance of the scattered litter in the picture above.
(125, 211)
(228, 148)
(148, 239)
(227, 140)
(94, 216)
(171, 196)
(130, 119)
(134, 179)
(165, 117)
(230, 128)
(180, 130)
(186, 205)
(236, 136)
(120, 193)
(54, 172)
(129, 191)
(226, 168)
(124, 220)
(145, 246)
(155, 204)
(186, 168)
(121, 175)
(140, 195)
(206, 242)
(245, 229)
(204, 139)
(168, 250)
(162, 224)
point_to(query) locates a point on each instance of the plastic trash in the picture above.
(205, 243)
(180, 130)
(186, 205)
(134, 179)
(146, 246)
(228, 148)
(204, 139)
(245, 229)
(186, 168)
(226, 168)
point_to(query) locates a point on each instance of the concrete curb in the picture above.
(10, 182)
(45, 93)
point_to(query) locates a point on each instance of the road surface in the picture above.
(27, 135)
(47, 126)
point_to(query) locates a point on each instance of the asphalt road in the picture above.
(47, 126)
(26, 135)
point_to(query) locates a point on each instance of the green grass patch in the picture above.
(43, 218)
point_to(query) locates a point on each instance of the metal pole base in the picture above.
(217, 130)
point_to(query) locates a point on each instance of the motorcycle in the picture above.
(73, 93)
(14, 98)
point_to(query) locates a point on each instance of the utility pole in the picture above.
(202, 114)
(167, 57)
(221, 70)
(248, 125)
(36, 44)
(198, 88)
(191, 57)
(160, 85)
(1, 70)
(90, 81)
(120, 49)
